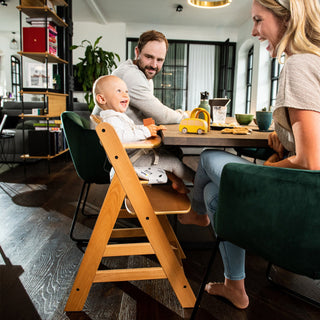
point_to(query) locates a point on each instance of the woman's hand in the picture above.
(275, 144)
(272, 159)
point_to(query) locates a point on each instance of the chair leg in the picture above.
(205, 279)
(75, 216)
(288, 290)
(85, 201)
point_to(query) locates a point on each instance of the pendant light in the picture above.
(14, 43)
(209, 4)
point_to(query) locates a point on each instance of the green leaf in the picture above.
(95, 63)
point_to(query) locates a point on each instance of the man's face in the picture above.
(151, 58)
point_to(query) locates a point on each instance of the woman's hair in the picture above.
(303, 25)
(151, 35)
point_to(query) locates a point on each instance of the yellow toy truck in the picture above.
(194, 124)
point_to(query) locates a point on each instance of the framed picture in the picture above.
(36, 76)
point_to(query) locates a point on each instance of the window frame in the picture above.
(276, 68)
(15, 77)
(249, 78)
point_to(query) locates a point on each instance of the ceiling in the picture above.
(156, 12)
(152, 12)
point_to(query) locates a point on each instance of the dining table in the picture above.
(215, 137)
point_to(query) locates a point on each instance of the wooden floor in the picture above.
(38, 261)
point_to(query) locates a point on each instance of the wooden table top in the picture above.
(214, 138)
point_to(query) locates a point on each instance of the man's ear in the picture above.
(137, 52)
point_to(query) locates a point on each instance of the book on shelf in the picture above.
(40, 38)
(38, 126)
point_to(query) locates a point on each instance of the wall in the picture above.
(113, 37)
(185, 32)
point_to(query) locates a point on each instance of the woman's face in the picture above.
(267, 26)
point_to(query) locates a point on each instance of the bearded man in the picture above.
(150, 54)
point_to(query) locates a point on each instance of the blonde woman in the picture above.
(291, 27)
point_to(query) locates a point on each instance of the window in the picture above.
(15, 77)
(172, 83)
(275, 72)
(249, 79)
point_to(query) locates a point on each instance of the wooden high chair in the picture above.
(148, 203)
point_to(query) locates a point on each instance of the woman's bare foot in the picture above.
(177, 183)
(192, 217)
(232, 290)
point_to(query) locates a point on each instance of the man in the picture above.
(150, 54)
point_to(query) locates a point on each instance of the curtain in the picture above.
(201, 73)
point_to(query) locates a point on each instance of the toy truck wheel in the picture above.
(184, 130)
(199, 131)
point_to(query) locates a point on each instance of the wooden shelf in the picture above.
(42, 57)
(36, 12)
(48, 157)
(40, 3)
(46, 93)
(56, 104)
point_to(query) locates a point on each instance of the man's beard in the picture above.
(144, 70)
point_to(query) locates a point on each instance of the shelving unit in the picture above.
(54, 100)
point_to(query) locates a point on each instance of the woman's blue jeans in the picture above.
(205, 200)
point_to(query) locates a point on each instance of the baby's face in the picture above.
(116, 95)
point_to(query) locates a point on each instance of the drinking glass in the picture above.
(219, 114)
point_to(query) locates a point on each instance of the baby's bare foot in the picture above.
(177, 183)
(192, 217)
(236, 296)
(180, 187)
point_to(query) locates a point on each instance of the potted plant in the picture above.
(96, 62)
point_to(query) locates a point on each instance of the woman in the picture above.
(291, 27)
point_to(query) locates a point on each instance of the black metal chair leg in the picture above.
(75, 216)
(85, 201)
(205, 279)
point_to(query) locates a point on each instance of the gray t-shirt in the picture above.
(299, 87)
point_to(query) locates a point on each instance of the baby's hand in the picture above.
(161, 127)
(154, 129)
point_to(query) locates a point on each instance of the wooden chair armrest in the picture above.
(95, 118)
(143, 144)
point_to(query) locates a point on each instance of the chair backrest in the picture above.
(88, 156)
(273, 212)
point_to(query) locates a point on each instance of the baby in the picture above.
(111, 95)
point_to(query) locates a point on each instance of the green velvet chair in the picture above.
(273, 213)
(88, 156)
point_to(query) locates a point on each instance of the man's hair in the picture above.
(151, 35)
